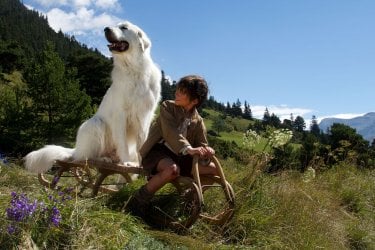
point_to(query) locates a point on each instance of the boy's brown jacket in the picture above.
(167, 127)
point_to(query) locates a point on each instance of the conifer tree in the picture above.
(314, 127)
(274, 121)
(266, 117)
(167, 88)
(299, 124)
(93, 73)
(247, 114)
(14, 114)
(59, 106)
(228, 109)
(236, 109)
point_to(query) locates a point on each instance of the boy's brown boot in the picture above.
(139, 202)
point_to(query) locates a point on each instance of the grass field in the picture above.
(333, 210)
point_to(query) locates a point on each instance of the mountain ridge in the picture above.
(364, 125)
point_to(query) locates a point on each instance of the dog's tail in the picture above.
(41, 160)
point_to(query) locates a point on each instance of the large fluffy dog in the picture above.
(121, 124)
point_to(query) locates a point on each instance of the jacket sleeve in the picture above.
(201, 134)
(169, 129)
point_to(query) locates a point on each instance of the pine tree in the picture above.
(247, 114)
(275, 121)
(218, 124)
(228, 109)
(14, 114)
(314, 127)
(94, 84)
(167, 88)
(59, 106)
(266, 117)
(299, 124)
(236, 110)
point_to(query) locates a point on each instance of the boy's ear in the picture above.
(195, 101)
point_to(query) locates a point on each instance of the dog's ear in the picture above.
(145, 41)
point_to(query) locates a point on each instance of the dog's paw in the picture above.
(131, 164)
(106, 159)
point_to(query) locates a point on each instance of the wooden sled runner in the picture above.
(177, 205)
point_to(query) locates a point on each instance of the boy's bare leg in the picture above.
(210, 169)
(167, 171)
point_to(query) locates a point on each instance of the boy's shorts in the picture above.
(158, 152)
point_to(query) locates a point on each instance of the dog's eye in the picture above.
(124, 28)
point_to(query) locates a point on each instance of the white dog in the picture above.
(121, 124)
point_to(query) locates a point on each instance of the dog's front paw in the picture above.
(131, 164)
(106, 159)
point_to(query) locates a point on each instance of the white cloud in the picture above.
(81, 3)
(282, 111)
(107, 4)
(85, 19)
(82, 21)
(29, 7)
(74, 4)
(341, 116)
(49, 3)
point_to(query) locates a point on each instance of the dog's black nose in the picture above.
(107, 29)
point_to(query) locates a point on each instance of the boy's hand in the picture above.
(206, 152)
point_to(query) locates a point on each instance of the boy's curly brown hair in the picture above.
(195, 87)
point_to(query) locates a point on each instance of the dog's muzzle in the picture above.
(115, 44)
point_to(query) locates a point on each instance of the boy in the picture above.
(175, 137)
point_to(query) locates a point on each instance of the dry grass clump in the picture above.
(334, 210)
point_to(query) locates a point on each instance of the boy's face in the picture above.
(183, 99)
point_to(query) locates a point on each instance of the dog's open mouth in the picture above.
(118, 46)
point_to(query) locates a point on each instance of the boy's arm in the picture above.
(169, 126)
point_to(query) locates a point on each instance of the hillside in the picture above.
(24, 35)
(364, 125)
(30, 30)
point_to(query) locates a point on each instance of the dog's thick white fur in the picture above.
(121, 123)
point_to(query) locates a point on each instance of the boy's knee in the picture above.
(171, 172)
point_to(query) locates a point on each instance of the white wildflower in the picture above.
(309, 174)
(251, 138)
(280, 137)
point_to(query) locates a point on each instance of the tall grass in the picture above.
(334, 210)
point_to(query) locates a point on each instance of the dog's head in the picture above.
(126, 37)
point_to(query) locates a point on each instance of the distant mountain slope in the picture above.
(30, 29)
(365, 125)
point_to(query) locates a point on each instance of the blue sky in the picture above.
(303, 57)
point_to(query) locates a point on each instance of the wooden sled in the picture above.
(177, 205)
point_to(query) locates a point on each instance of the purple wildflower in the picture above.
(63, 195)
(66, 198)
(55, 180)
(11, 229)
(55, 216)
(3, 159)
(20, 208)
